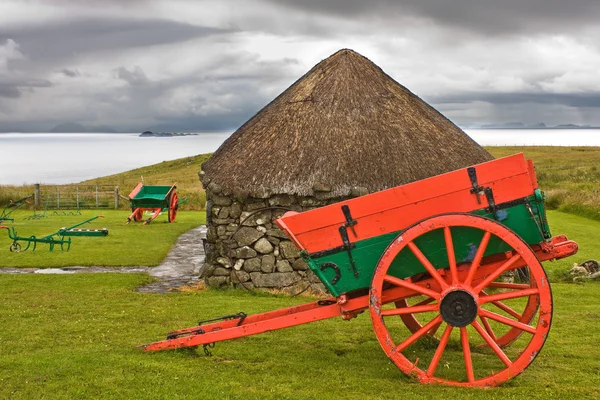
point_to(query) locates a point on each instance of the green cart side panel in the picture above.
(151, 197)
(367, 253)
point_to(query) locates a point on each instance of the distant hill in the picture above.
(521, 125)
(72, 127)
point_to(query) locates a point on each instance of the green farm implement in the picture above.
(56, 238)
(153, 198)
(11, 207)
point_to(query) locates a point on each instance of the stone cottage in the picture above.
(344, 129)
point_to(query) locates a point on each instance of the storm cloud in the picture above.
(210, 65)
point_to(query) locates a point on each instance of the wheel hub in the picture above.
(458, 308)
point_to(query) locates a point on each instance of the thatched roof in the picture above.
(345, 124)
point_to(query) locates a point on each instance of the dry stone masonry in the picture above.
(245, 248)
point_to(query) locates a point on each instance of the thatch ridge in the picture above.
(344, 124)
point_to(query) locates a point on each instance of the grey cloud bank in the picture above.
(210, 65)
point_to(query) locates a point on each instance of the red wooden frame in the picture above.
(343, 306)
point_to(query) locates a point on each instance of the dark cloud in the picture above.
(586, 100)
(135, 77)
(71, 73)
(9, 92)
(483, 16)
(66, 38)
(14, 89)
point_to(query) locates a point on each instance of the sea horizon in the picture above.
(63, 158)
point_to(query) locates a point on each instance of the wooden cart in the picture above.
(155, 199)
(448, 268)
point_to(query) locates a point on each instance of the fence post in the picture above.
(57, 197)
(116, 197)
(96, 196)
(77, 194)
(36, 195)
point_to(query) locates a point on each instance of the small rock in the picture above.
(216, 281)
(276, 279)
(263, 246)
(240, 276)
(219, 271)
(300, 265)
(236, 210)
(288, 250)
(281, 200)
(244, 252)
(278, 233)
(224, 212)
(252, 265)
(267, 263)
(283, 266)
(238, 264)
(261, 229)
(224, 262)
(246, 235)
(221, 200)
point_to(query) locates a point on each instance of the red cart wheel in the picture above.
(414, 321)
(461, 295)
(173, 207)
(139, 214)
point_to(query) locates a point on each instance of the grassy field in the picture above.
(75, 336)
(132, 244)
(570, 176)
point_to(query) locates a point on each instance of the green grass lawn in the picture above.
(570, 176)
(133, 244)
(75, 336)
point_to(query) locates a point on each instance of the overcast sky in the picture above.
(210, 65)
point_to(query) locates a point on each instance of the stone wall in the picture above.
(244, 246)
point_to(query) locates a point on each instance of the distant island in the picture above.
(521, 125)
(165, 134)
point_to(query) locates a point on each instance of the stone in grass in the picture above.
(263, 246)
(252, 265)
(283, 266)
(246, 235)
(275, 280)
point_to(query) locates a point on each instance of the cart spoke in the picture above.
(411, 339)
(504, 267)
(434, 329)
(478, 256)
(492, 343)
(428, 266)
(408, 285)
(501, 306)
(440, 350)
(507, 321)
(508, 295)
(464, 340)
(506, 285)
(451, 255)
(488, 327)
(410, 310)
